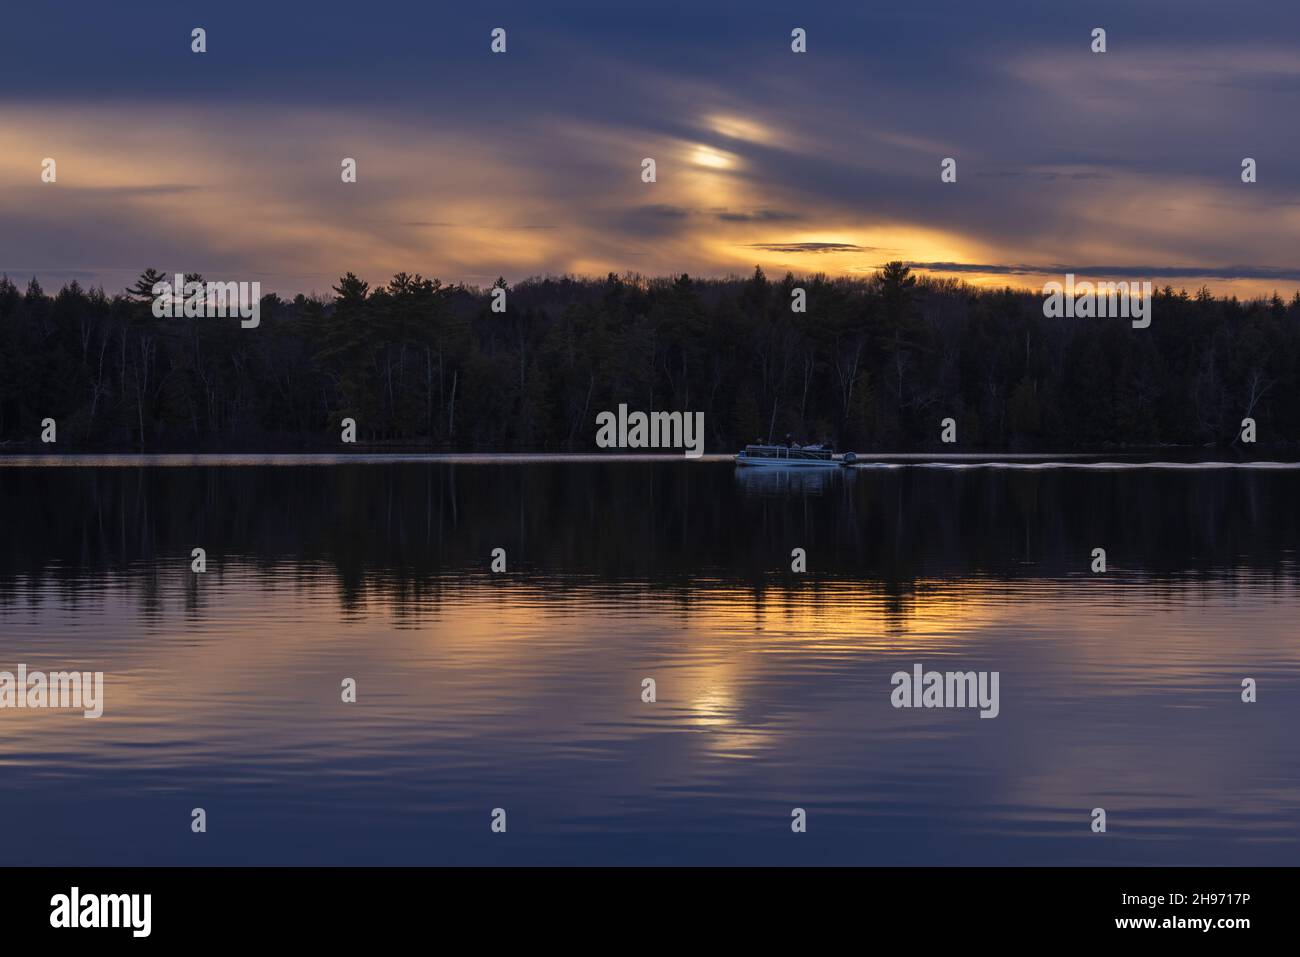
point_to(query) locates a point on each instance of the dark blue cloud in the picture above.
(1130, 271)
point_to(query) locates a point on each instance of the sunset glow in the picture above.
(1096, 173)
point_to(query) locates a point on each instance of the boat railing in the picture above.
(786, 452)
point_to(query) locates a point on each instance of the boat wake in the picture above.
(1086, 466)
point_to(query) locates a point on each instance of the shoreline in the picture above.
(866, 461)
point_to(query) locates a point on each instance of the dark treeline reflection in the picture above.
(874, 363)
(415, 531)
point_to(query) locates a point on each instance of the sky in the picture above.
(473, 165)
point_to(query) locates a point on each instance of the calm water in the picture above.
(523, 690)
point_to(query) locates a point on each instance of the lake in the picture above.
(522, 690)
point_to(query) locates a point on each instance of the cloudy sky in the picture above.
(472, 165)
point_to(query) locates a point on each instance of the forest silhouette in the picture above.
(875, 363)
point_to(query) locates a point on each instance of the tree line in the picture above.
(874, 363)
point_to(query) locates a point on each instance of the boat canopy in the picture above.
(786, 453)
